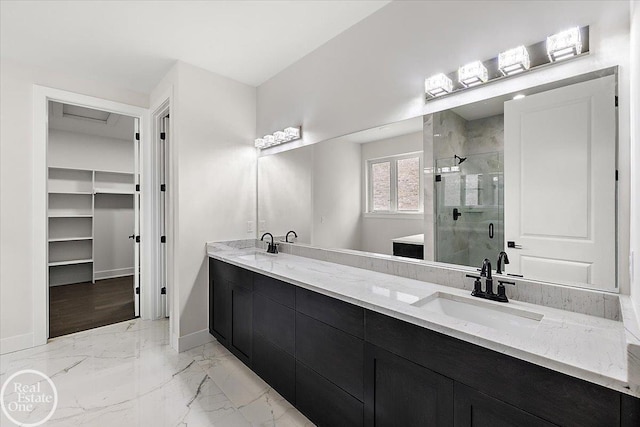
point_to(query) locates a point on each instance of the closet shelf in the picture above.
(71, 192)
(70, 216)
(69, 239)
(113, 191)
(70, 262)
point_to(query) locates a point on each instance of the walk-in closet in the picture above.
(91, 218)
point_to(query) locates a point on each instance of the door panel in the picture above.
(560, 189)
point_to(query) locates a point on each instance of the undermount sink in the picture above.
(257, 257)
(491, 315)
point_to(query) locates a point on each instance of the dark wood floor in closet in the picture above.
(82, 306)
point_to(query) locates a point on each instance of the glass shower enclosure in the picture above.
(469, 206)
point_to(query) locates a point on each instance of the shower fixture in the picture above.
(460, 159)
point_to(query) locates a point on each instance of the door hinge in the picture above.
(163, 239)
(162, 135)
(163, 187)
(137, 239)
(163, 291)
(616, 174)
(137, 136)
(616, 100)
(438, 178)
(138, 290)
(137, 187)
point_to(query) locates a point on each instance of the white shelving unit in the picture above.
(71, 209)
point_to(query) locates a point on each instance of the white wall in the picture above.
(16, 180)
(213, 183)
(84, 151)
(373, 73)
(378, 231)
(635, 150)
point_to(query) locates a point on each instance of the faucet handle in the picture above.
(501, 296)
(477, 286)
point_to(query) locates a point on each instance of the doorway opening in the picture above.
(93, 218)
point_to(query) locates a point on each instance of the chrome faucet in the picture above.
(286, 238)
(502, 257)
(273, 247)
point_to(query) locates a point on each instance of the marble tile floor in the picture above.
(126, 374)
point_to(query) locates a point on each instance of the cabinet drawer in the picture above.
(324, 403)
(275, 366)
(277, 290)
(334, 354)
(275, 322)
(339, 314)
(231, 273)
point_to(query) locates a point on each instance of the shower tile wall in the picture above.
(466, 241)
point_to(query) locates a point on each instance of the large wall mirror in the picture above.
(531, 173)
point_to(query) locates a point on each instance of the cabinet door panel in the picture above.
(323, 402)
(241, 322)
(401, 393)
(475, 409)
(334, 354)
(277, 290)
(339, 314)
(275, 366)
(220, 309)
(275, 322)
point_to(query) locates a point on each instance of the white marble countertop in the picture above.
(416, 239)
(586, 347)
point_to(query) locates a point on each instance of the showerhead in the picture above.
(460, 159)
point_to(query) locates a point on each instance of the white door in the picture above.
(136, 220)
(163, 163)
(559, 184)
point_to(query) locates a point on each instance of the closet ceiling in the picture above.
(133, 44)
(72, 118)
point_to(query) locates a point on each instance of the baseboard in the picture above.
(15, 343)
(195, 339)
(110, 274)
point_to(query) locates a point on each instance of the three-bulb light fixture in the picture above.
(278, 137)
(563, 45)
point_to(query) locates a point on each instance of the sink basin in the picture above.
(257, 257)
(492, 315)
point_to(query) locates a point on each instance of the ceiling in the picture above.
(88, 121)
(133, 44)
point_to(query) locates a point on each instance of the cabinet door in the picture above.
(475, 409)
(401, 393)
(336, 355)
(241, 301)
(219, 319)
(324, 403)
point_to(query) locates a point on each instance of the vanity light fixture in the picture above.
(278, 137)
(472, 74)
(437, 85)
(514, 61)
(572, 43)
(564, 45)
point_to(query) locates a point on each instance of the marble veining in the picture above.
(127, 374)
(583, 346)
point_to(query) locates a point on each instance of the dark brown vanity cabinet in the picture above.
(230, 308)
(342, 365)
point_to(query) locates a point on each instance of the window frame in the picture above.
(393, 189)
